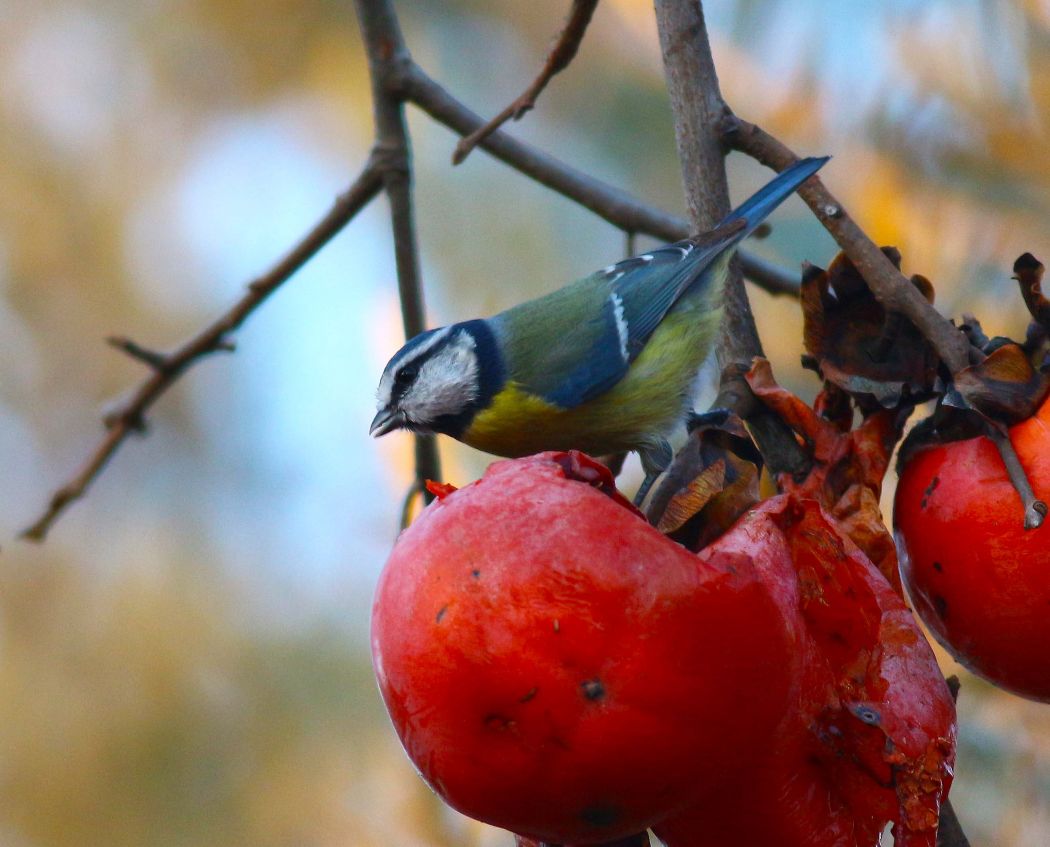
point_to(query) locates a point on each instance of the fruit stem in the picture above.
(1034, 509)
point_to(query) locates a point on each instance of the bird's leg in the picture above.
(655, 460)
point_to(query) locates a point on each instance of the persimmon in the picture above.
(555, 666)
(869, 737)
(978, 578)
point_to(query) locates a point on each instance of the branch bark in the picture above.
(699, 113)
(386, 52)
(129, 415)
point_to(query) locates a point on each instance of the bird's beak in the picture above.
(386, 420)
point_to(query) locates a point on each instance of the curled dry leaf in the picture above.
(853, 342)
(693, 497)
(1004, 387)
(848, 465)
(1028, 271)
(714, 479)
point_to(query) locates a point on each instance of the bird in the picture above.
(604, 365)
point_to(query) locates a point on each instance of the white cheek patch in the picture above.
(447, 382)
(385, 392)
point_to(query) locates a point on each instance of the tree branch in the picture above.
(889, 286)
(128, 416)
(386, 53)
(699, 115)
(606, 201)
(561, 54)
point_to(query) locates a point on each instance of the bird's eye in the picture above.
(406, 375)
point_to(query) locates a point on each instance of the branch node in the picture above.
(1035, 515)
(390, 159)
(729, 127)
(157, 361)
(131, 419)
(396, 75)
(224, 344)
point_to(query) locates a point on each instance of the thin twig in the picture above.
(1034, 509)
(606, 201)
(561, 54)
(949, 830)
(157, 361)
(128, 415)
(386, 52)
(888, 284)
(414, 490)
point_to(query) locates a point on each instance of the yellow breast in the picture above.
(645, 405)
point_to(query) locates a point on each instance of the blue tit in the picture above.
(606, 364)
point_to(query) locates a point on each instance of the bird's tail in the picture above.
(755, 210)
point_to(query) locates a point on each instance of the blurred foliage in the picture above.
(185, 661)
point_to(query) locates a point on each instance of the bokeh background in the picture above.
(185, 661)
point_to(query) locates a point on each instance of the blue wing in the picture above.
(577, 343)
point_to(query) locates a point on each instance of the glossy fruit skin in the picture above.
(977, 578)
(870, 734)
(556, 667)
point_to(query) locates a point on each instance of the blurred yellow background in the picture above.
(185, 661)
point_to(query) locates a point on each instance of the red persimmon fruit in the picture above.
(979, 580)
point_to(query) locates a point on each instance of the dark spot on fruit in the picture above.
(867, 715)
(600, 815)
(499, 723)
(475, 573)
(593, 689)
(941, 605)
(837, 637)
(441, 613)
(529, 695)
(557, 625)
(560, 742)
(929, 490)
(938, 567)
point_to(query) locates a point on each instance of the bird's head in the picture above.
(432, 384)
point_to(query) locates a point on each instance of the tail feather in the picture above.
(755, 210)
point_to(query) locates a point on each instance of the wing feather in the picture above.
(576, 343)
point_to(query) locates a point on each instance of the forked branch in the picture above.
(561, 54)
(886, 282)
(129, 415)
